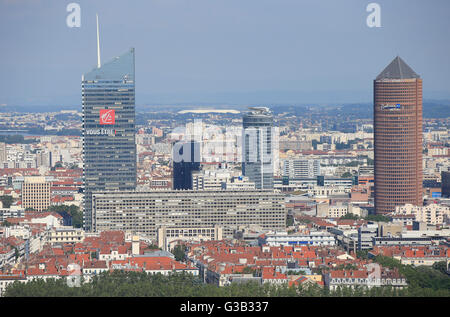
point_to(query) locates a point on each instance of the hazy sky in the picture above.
(222, 51)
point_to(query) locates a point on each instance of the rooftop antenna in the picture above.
(98, 45)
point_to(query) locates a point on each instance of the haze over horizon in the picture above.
(229, 52)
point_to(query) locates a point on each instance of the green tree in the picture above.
(440, 266)
(153, 247)
(6, 201)
(289, 221)
(6, 223)
(72, 210)
(346, 175)
(422, 280)
(380, 218)
(179, 251)
(16, 253)
(362, 254)
(304, 220)
(350, 216)
(138, 284)
(299, 272)
(248, 270)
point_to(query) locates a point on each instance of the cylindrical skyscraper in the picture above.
(398, 137)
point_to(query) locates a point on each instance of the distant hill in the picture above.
(431, 108)
(436, 109)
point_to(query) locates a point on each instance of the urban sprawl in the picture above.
(267, 194)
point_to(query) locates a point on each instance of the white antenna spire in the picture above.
(98, 45)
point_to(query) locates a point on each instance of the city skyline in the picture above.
(274, 58)
(254, 166)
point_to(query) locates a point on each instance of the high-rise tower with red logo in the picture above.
(109, 148)
(398, 137)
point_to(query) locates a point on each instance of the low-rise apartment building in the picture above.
(432, 214)
(65, 235)
(282, 238)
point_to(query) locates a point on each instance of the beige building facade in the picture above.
(36, 193)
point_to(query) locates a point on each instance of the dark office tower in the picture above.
(109, 147)
(445, 180)
(257, 147)
(186, 159)
(398, 137)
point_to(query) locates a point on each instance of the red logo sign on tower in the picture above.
(107, 116)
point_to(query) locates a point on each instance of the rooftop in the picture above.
(397, 69)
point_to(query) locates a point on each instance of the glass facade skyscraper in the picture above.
(258, 147)
(186, 159)
(109, 148)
